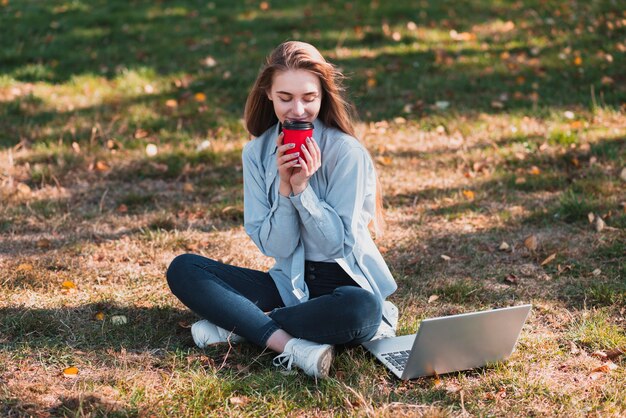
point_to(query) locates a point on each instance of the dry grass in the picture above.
(74, 230)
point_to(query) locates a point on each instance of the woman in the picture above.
(310, 211)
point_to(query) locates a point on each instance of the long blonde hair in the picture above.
(335, 110)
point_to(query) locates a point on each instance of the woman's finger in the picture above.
(288, 158)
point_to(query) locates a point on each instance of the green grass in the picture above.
(533, 125)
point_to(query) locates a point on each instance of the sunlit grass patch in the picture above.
(595, 330)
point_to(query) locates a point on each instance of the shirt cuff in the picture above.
(285, 206)
(307, 203)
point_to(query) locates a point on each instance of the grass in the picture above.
(488, 122)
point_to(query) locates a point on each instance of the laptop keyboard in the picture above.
(397, 358)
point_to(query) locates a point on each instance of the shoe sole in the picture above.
(325, 361)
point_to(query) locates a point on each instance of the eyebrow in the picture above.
(291, 94)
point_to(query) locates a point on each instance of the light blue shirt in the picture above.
(333, 212)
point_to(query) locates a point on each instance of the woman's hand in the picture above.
(311, 162)
(285, 164)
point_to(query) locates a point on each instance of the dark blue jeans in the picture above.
(237, 299)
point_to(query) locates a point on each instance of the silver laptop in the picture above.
(452, 343)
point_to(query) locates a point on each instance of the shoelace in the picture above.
(281, 359)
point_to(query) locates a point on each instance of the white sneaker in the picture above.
(313, 358)
(205, 333)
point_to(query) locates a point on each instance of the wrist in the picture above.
(284, 189)
(298, 188)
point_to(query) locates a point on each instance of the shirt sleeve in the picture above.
(274, 228)
(334, 222)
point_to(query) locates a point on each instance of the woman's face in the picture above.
(296, 95)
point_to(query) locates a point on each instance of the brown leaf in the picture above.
(615, 353)
(122, 208)
(504, 246)
(43, 243)
(531, 242)
(23, 188)
(445, 257)
(511, 278)
(599, 224)
(433, 298)
(171, 103)
(239, 400)
(609, 354)
(24, 268)
(101, 166)
(141, 133)
(573, 348)
(99, 316)
(188, 187)
(548, 259)
(605, 368)
(534, 170)
(599, 354)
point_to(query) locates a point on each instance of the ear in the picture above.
(269, 96)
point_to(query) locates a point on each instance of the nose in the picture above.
(298, 108)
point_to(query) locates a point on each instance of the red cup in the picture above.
(296, 132)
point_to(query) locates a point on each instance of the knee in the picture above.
(179, 268)
(361, 307)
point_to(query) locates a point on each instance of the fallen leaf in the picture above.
(548, 259)
(68, 284)
(24, 268)
(141, 133)
(599, 354)
(573, 348)
(122, 208)
(382, 160)
(76, 147)
(496, 104)
(171, 103)
(101, 166)
(591, 216)
(433, 298)
(452, 387)
(599, 224)
(504, 246)
(605, 368)
(569, 114)
(264, 6)
(596, 272)
(615, 353)
(446, 257)
(442, 104)
(469, 195)
(520, 180)
(371, 82)
(43, 243)
(534, 170)
(70, 372)
(607, 81)
(531, 242)
(623, 174)
(188, 187)
(119, 320)
(99, 316)
(23, 188)
(578, 61)
(200, 97)
(511, 278)
(239, 400)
